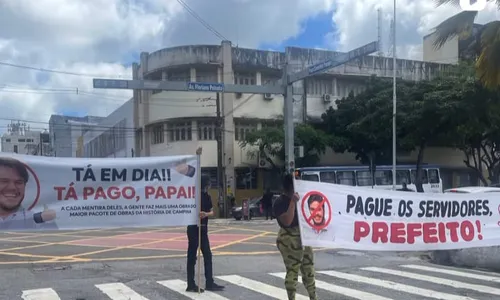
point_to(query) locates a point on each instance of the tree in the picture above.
(362, 124)
(427, 116)
(268, 142)
(477, 132)
(484, 46)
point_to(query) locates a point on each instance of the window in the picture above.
(157, 136)
(180, 131)
(206, 131)
(244, 78)
(242, 129)
(15, 149)
(212, 173)
(402, 176)
(328, 176)
(383, 177)
(433, 175)
(22, 140)
(182, 75)
(206, 76)
(364, 178)
(246, 179)
(7, 140)
(138, 141)
(413, 174)
(310, 177)
(317, 86)
(346, 178)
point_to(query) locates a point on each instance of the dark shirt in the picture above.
(280, 207)
(206, 206)
(267, 200)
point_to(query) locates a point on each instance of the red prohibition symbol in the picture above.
(316, 210)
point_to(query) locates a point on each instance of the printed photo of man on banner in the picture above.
(317, 215)
(17, 200)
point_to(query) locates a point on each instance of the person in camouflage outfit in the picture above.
(295, 256)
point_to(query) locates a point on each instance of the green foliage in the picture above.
(477, 130)
(482, 44)
(268, 142)
(362, 124)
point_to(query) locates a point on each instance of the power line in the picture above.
(440, 61)
(203, 22)
(51, 70)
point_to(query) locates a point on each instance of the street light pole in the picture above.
(394, 100)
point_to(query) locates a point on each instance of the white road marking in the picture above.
(40, 294)
(119, 291)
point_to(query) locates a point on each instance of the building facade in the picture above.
(65, 132)
(170, 123)
(113, 136)
(19, 138)
(454, 50)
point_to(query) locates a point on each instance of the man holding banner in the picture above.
(295, 256)
(199, 237)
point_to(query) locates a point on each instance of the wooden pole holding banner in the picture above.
(198, 196)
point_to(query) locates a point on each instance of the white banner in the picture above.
(49, 193)
(357, 218)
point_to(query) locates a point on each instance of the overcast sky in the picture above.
(103, 37)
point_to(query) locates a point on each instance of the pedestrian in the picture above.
(192, 234)
(267, 203)
(295, 256)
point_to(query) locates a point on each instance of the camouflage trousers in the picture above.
(296, 258)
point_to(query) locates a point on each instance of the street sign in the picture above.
(334, 62)
(155, 85)
(205, 87)
(110, 83)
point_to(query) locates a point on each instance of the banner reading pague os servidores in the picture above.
(48, 193)
(339, 216)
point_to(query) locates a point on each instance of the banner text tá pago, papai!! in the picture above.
(49, 193)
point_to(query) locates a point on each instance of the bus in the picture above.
(361, 176)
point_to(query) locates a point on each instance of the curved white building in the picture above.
(172, 123)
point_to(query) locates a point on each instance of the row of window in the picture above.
(364, 178)
(317, 86)
(326, 86)
(108, 142)
(24, 140)
(206, 131)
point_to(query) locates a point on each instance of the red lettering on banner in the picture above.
(125, 192)
(409, 233)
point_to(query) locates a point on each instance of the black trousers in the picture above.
(269, 212)
(192, 234)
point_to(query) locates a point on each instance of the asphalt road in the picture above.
(149, 264)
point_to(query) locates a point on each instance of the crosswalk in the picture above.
(411, 281)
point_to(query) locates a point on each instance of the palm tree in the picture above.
(484, 46)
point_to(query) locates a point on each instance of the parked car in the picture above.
(253, 206)
(473, 189)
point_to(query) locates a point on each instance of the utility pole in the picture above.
(394, 100)
(41, 144)
(289, 124)
(220, 169)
